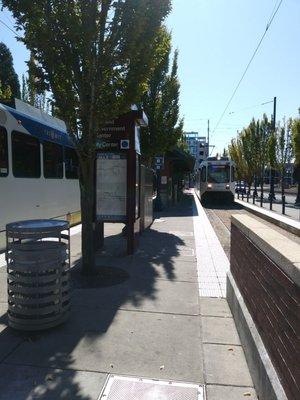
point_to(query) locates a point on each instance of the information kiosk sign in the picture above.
(111, 187)
(117, 174)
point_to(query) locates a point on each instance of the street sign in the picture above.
(159, 162)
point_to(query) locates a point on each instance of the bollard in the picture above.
(253, 198)
(261, 199)
(248, 197)
(283, 204)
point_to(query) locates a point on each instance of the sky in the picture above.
(216, 39)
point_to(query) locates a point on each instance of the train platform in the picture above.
(153, 325)
(289, 221)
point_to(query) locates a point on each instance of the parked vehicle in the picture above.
(241, 187)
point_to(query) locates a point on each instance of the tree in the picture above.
(161, 101)
(296, 148)
(5, 93)
(243, 151)
(283, 149)
(8, 77)
(95, 57)
(236, 154)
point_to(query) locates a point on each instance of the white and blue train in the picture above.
(215, 180)
(38, 167)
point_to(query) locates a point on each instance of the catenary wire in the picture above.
(248, 65)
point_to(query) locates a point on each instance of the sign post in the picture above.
(118, 174)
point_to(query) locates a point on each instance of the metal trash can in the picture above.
(38, 273)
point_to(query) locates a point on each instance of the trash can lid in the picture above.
(33, 226)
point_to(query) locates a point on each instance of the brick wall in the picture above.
(273, 301)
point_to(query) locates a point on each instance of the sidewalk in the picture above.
(146, 317)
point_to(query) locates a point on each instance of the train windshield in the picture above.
(218, 173)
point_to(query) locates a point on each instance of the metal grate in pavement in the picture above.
(129, 388)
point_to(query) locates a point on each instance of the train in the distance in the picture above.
(215, 180)
(38, 167)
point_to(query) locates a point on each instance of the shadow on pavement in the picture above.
(72, 360)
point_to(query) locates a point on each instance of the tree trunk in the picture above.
(298, 195)
(87, 198)
(255, 187)
(272, 191)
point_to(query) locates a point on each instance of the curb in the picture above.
(282, 221)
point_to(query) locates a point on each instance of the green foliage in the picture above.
(161, 101)
(249, 150)
(8, 76)
(295, 125)
(95, 58)
(5, 93)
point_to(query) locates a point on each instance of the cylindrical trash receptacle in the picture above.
(38, 274)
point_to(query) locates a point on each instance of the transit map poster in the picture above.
(111, 187)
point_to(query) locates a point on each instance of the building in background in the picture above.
(197, 146)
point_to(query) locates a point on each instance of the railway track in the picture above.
(219, 216)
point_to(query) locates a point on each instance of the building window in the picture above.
(53, 160)
(26, 158)
(71, 163)
(3, 152)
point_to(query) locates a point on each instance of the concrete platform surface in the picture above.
(145, 316)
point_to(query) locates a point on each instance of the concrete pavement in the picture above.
(144, 316)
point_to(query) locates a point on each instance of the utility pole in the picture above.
(272, 194)
(208, 138)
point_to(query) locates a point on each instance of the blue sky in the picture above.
(216, 39)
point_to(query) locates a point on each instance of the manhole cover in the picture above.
(126, 388)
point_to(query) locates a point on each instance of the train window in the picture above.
(25, 156)
(232, 174)
(71, 163)
(3, 152)
(203, 174)
(53, 160)
(218, 173)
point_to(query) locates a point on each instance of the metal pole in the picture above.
(272, 194)
(283, 204)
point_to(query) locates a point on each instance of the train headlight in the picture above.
(209, 186)
(227, 186)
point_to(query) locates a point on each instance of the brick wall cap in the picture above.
(281, 250)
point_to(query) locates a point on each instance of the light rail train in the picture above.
(38, 167)
(215, 180)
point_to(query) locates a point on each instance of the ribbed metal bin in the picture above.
(38, 264)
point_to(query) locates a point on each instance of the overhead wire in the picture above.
(249, 63)
(248, 108)
(8, 27)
